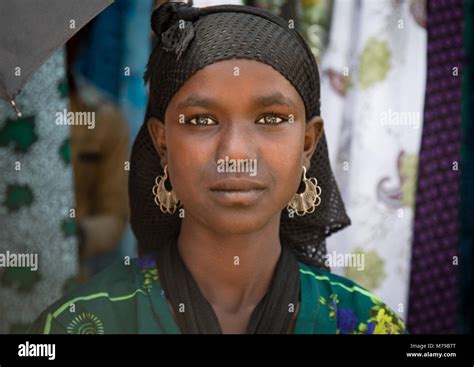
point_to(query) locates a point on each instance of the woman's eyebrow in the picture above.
(276, 98)
(197, 101)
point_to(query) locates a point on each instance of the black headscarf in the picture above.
(220, 33)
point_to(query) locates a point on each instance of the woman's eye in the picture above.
(271, 120)
(201, 121)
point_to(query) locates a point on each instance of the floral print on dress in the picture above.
(382, 319)
(385, 320)
(149, 277)
(331, 303)
(146, 262)
(147, 266)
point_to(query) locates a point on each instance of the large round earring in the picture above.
(308, 200)
(166, 200)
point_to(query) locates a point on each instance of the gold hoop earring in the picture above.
(166, 200)
(307, 201)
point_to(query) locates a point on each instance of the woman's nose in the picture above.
(237, 141)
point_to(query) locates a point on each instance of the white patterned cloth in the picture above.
(374, 134)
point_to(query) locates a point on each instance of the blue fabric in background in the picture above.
(118, 38)
(99, 59)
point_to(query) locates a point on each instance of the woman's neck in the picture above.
(233, 271)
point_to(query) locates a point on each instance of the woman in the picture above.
(231, 193)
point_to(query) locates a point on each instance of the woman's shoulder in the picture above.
(110, 294)
(352, 308)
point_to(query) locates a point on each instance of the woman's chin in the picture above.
(237, 224)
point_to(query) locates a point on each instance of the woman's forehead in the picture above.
(248, 80)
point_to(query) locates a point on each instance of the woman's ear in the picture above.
(313, 133)
(156, 129)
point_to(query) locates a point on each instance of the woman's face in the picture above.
(235, 141)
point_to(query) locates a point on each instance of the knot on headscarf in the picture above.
(173, 22)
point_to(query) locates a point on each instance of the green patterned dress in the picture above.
(128, 298)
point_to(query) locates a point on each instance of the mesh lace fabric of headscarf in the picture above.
(220, 33)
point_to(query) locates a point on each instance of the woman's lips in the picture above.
(237, 191)
(237, 184)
